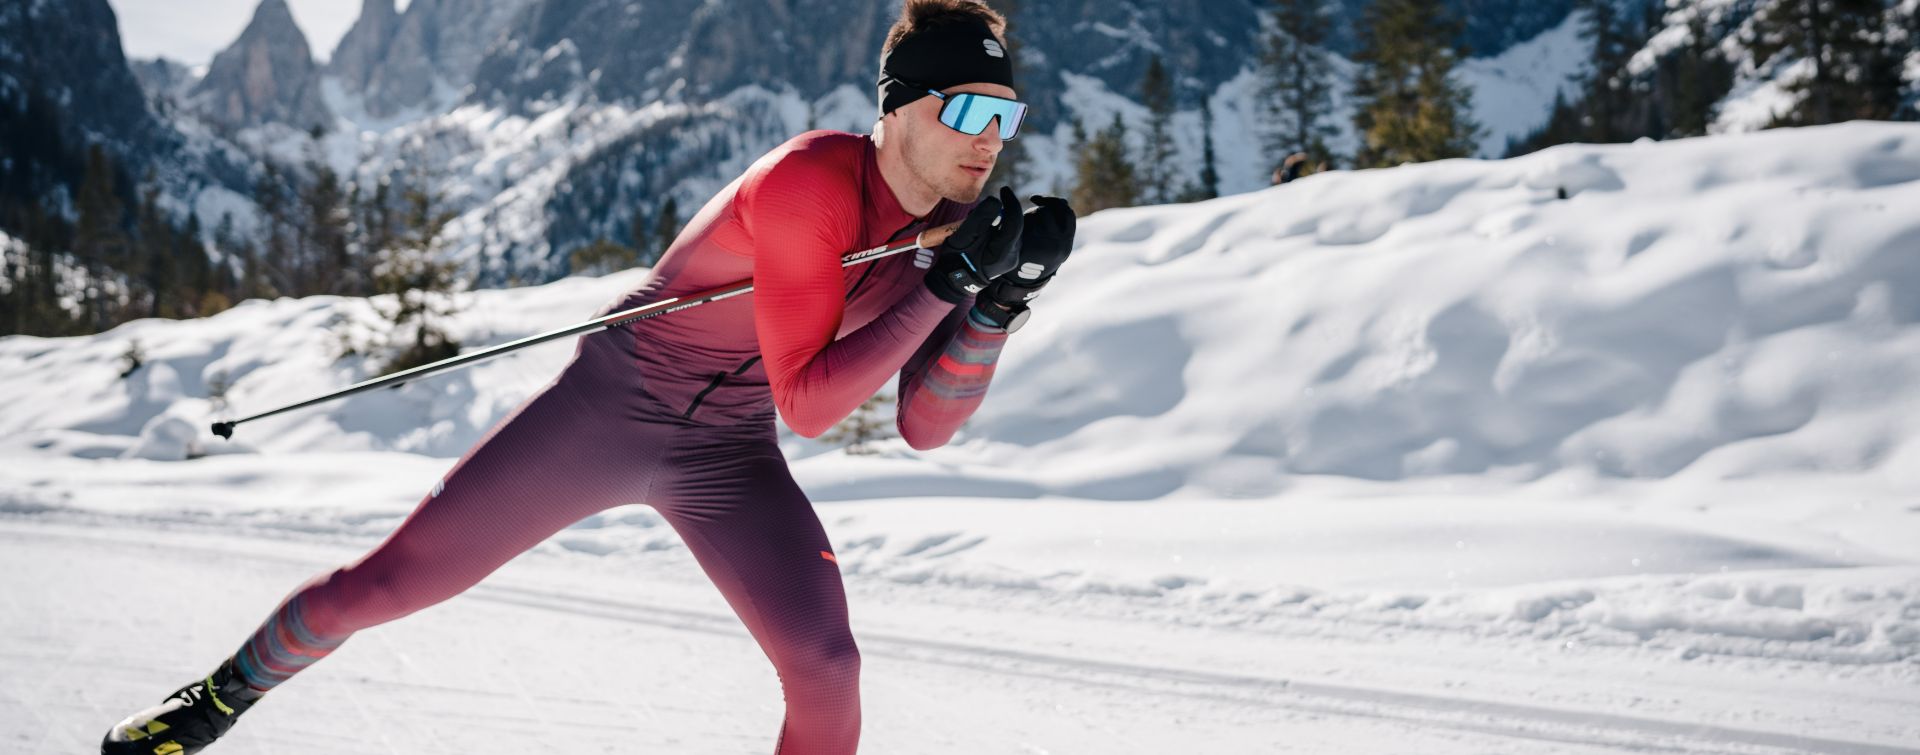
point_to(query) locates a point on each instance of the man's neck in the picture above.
(915, 197)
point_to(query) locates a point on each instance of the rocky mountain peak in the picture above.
(430, 54)
(365, 44)
(266, 75)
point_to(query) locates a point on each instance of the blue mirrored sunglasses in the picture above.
(969, 113)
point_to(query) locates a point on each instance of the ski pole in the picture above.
(931, 237)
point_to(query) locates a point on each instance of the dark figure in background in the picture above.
(1290, 168)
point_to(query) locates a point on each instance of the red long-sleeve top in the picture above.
(814, 340)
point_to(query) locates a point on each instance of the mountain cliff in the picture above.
(267, 75)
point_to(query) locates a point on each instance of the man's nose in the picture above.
(988, 139)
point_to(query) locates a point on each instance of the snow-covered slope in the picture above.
(1513, 92)
(1730, 307)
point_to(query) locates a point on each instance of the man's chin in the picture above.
(966, 192)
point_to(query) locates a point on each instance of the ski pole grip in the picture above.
(933, 237)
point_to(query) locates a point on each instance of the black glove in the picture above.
(1045, 241)
(984, 247)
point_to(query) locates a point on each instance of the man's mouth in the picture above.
(977, 171)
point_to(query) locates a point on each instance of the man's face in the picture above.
(954, 165)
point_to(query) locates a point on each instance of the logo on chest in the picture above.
(923, 258)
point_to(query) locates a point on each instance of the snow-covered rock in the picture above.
(165, 438)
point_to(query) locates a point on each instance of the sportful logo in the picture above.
(923, 258)
(993, 48)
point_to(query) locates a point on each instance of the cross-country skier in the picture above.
(678, 411)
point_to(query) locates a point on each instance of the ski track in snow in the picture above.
(1253, 711)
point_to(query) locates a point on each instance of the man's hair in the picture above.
(917, 15)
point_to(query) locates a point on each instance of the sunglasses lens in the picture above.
(970, 113)
(1010, 123)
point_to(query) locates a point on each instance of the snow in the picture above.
(1418, 459)
(847, 108)
(214, 203)
(352, 119)
(1757, 100)
(1513, 92)
(13, 255)
(1239, 128)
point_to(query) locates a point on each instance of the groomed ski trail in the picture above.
(521, 664)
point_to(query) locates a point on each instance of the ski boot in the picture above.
(187, 721)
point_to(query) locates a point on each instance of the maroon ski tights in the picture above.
(591, 439)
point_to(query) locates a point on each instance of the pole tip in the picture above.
(223, 429)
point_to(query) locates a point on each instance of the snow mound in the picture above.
(69, 393)
(1729, 306)
(165, 438)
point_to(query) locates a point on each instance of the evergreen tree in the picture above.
(1209, 172)
(1676, 96)
(870, 422)
(199, 284)
(253, 277)
(422, 284)
(640, 231)
(31, 302)
(1208, 185)
(1409, 109)
(1689, 85)
(1298, 81)
(1906, 46)
(666, 228)
(156, 244)
(1603, 29)
(1853, 75)
(1156, 170)
(231, 282)
(1564, 125)
(99, 241)
(1105, 177)
(13, 297)
(376, 227)
(37, 299)
(16, 261)
(276, 261)
(602, 257)
(325, 232)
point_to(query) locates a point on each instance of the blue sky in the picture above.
(192, 31)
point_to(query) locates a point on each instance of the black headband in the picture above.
(964, 52)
